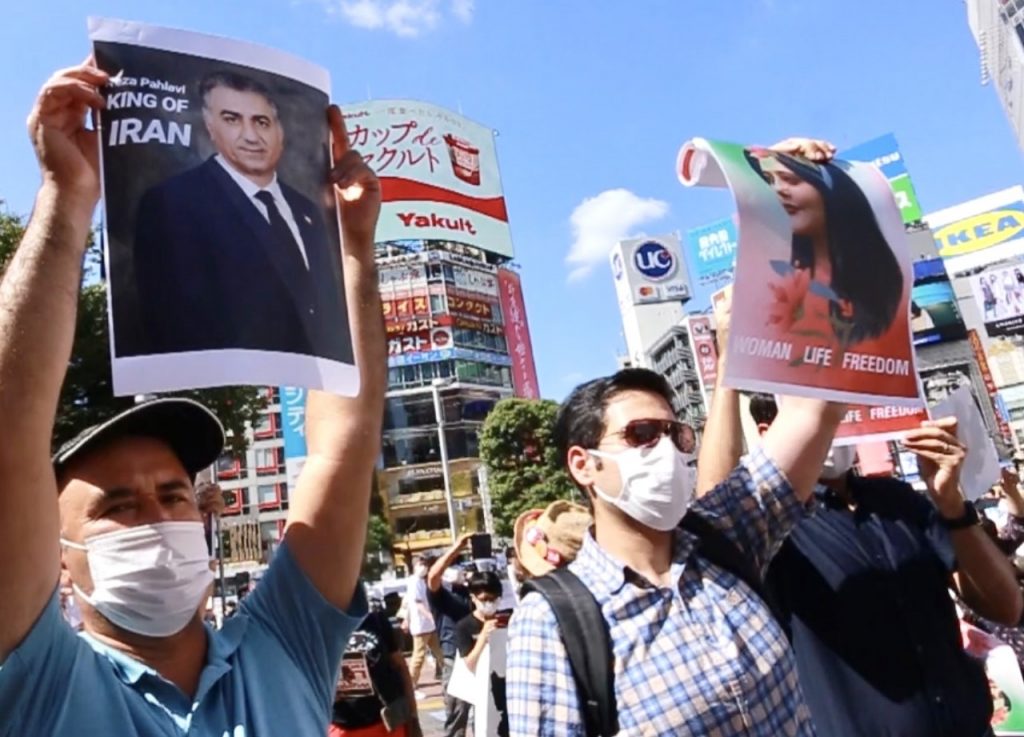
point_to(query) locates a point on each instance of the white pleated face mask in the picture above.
(657, 485)
(149, 579)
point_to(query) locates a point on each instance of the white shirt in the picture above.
(251, 189)
(417, 610)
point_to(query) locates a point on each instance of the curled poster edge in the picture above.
(696, 165)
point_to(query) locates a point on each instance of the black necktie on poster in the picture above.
(282, 233)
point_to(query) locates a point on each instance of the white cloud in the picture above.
(599, 222)
(408, 18)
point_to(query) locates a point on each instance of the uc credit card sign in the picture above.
(650, 270)
(884, 152)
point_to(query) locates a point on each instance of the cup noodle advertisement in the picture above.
(438, 171)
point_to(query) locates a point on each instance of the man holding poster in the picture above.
(115, 508)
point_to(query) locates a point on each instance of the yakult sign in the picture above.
(651, 269)
(438, 172)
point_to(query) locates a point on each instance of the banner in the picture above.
(711, 254)
(403, 310)
(822, 293)
(223, 250)
(999, 294)
(293, 428)
(870, 424)
(438, 172)
(517, 335)
(427, 340)
(990, 385)
(884, 153)
(705, 354)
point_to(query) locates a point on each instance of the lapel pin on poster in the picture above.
(823, 276)
(222, 232)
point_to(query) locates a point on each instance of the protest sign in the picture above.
(222, 238)
(981, 468)
(490, 703)
(1004, 678)
(867, 424)
(823, 276)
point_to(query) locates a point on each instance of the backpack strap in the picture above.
(588, 645)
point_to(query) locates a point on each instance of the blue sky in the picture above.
(592, 99)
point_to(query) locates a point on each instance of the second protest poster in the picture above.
(823, 276)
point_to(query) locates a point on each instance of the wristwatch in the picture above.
(968, 519)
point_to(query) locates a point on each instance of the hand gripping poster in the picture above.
(222, 240)
(823, 276)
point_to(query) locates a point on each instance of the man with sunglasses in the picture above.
(696, 651)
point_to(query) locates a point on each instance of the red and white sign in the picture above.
(428, 340)
(990, 384)
(438, 172)
(517, 335)
(404, 309)
(865, 423)
(705, 355)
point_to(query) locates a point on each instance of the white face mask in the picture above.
(149, 579)
(839, 460)
(487, 608)
(657, 486)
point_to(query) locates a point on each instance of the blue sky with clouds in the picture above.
(592, 100)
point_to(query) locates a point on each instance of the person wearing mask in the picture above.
(419, 621)
(861, 586)
(696, 651)
(449, 600)
(114, 506)
(473, 635)
(374, 696)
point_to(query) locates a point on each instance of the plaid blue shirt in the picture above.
(704, 657)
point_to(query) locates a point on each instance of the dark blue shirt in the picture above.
(864, 596)
(449, 607)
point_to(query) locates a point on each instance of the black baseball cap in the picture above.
(191, 430)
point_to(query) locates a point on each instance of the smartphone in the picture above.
(480, 546)
(502, 617)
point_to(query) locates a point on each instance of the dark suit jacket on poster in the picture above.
(210, 274)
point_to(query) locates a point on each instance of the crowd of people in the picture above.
(773, 592)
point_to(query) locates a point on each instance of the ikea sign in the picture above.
(979, 232)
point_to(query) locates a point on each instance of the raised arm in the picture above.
(799, 438)
(984, 576)
(38, 301)
(435, 575)
(722, 444)
(327, 522)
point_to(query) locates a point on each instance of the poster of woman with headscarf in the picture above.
(823, 276)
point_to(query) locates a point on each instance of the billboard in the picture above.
(650, 270)
(517, 335)
(705, 354)
(431, 339)
(981, 231)
(884, 152)
(438, 172)
(293, 428)
(934, 315)
(999, 294)
(990, 384)
(711, 257)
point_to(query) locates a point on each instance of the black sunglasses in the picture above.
(646, 433)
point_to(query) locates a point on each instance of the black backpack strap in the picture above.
(719, 549)
(588, 645)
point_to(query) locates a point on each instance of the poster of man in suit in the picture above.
(223, 246)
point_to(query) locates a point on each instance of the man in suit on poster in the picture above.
(226, 254)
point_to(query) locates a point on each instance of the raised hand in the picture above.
(67, 150)
(356, 186)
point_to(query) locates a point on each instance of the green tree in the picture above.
(87, 395)
(378, 541)
(523, 467)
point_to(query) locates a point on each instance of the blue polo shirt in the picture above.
(270, 671)
(864, 596)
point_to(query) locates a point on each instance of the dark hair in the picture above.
(233, 81)
(485, 582)
(763, 408)
(865, 271)
(580, 419)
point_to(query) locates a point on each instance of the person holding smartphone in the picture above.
(473, 633)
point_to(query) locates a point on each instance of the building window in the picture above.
(229, 467)
(438, 304)
(265, 426)
(268, 460)
(268, 495)
(234, 499)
